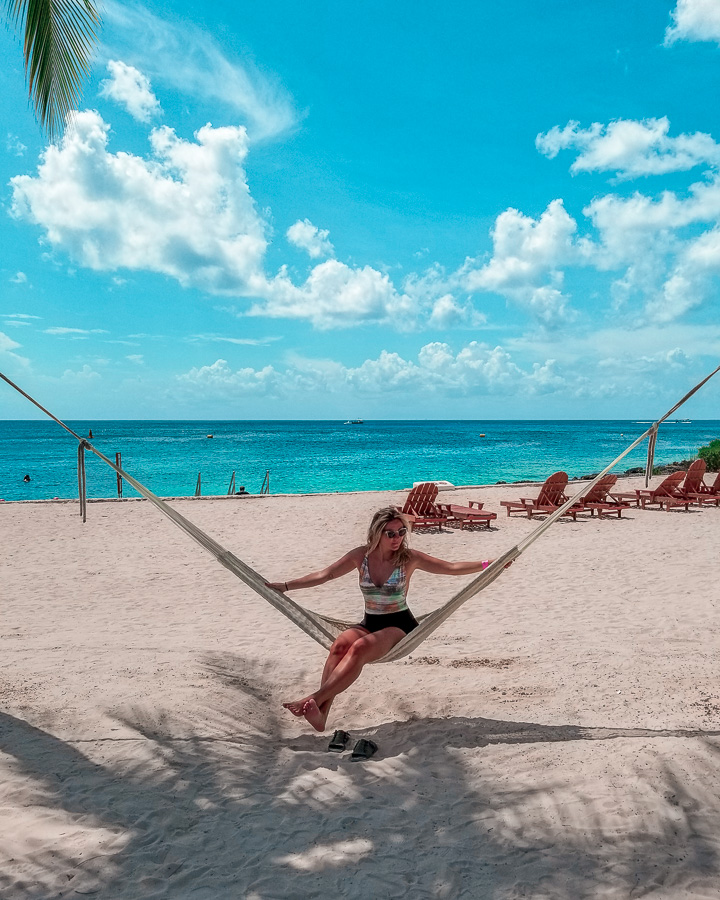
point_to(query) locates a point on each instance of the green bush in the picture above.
(711, 455)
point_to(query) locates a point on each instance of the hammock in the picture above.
(325, 629)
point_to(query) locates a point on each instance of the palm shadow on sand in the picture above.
(215, 807)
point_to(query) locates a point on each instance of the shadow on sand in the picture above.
(206, 805)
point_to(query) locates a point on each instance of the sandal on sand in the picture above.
(339, 741)
(364, 749)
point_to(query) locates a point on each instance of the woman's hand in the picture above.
(280, 586)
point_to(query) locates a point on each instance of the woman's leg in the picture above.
(361, 651)
(339, 648)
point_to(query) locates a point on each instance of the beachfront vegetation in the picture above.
(711, 455)
(58, 45)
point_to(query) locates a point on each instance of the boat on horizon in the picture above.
(354, 422)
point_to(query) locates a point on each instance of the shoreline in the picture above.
(658, 472)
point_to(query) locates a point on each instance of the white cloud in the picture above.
(669, 268)
(221, 338)
(694, 20)
(649, 340)
(676, 358)
(81, 377)
(18, 320)
(131, 89)
(476, 368)
(526, 261)
(308, 237)
(74, 332)
(185, 57)
(7, 348)
(220, 378)
(337, 296)
(186, 212)
(14, 145)
(19, 278)
(137, 358)
(630, 148)
(7, 344)
(448, 313)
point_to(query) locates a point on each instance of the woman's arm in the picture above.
(442, 567)
(344, 565)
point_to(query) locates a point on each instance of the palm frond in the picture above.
(58, 46)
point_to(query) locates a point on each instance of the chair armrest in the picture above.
(478, 503)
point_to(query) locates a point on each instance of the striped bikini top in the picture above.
(386, 598)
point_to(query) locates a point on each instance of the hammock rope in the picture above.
(325, 629)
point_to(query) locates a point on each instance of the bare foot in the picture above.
(314, 716)
(297, 707)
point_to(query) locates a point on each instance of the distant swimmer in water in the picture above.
(90, 433)
(26, 478)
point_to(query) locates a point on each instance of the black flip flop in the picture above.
(339, 741)
(364, 749)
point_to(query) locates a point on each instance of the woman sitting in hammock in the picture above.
(386, 564)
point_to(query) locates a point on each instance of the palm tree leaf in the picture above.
(59, 42)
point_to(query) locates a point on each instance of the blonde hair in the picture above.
(379, 524)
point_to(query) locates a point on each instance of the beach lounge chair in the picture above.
(552, 495)
(472, 514)
(598, 499)
(708, 493)
(421, 509)
(665, 494)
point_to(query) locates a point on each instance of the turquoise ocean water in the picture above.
(322, 456)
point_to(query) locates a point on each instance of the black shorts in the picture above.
(404, 620)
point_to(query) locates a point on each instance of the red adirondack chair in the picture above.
(708, 493)
(693, 479)
(552, 495)
(421, 509)
(598, 499)
(665, 494)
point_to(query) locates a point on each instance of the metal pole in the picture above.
(82, 483)
(118, 476)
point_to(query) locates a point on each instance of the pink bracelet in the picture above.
(485, 564)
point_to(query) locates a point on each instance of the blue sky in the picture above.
(320, 210)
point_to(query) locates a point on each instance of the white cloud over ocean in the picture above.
(630, 148)
(131, 89)
(188, 59)
(186, 212)
(436, 369)
(315, 241)
(527, 262)
(694, 20)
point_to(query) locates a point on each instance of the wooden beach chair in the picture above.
(693, 479)
(665, 495)
(598, 499)
(552, 495)
(708, 493)
(472, 514)
(421, 509)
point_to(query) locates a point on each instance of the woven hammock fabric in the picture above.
(324, 629)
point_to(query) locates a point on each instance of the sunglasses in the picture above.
(401, 532)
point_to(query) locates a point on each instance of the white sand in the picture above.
(559, 737)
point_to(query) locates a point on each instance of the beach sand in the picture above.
(557, 737)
